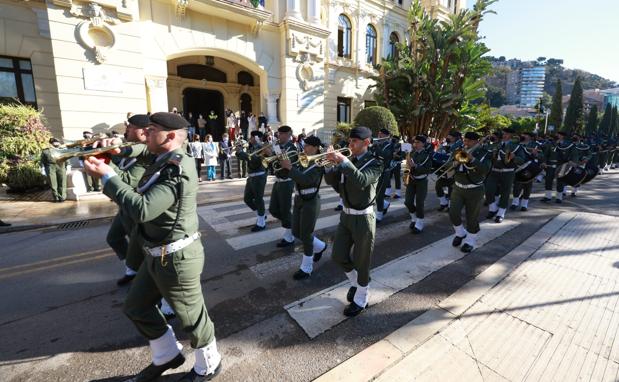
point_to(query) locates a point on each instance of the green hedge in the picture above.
(23, 136)
(376, 118)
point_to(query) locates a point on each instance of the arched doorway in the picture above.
(202, 101)
(246, 103)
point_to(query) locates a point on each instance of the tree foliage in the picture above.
(604, 127)
(437, 73)
(556, 110)
(575, 113)
(592, 120)
(376, 118)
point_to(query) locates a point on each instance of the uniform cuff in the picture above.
(107, 177)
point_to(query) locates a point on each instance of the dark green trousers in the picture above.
(416, 193)
(254, 193)
(383, 181)
(355, 232)
(523, 190)
(440, 184)
(304, 216)
(117, 236)
(501, 182)
(471, 200)
(549, 178)
(179, 283)
(57, 178)
(280, 205)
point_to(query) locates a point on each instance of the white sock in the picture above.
(559, 195)
(501, 212)
(548, 194)
(352, 277)
(471, 239)
(497, 198)
(307, 264)
(166, 308)
(165, 348)
(318, 245)
(574, 190)
(493, 207)
(386, 204)
(288, 235)
(207, 359)
(362, 296)
(379, 215)
(443, 201)
(388, 191)
(419, 224)
(413, 217)
(524, 203)
(516, 202)
(341, 203)
(129, 271)
(261, 220)
(398, 192)
(460, 231)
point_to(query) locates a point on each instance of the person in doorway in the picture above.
(231, 126)
(201, 122)
(244, 124)
(212, 124)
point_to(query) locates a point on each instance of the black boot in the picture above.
(318, 255)
(283, 243)
(466, 248)
(153, 371)
(192, 376)
(457, 240)
(350, 296)
(352, 310)
(126, 279)
(300, 275)
(491, 214)
(498, 219)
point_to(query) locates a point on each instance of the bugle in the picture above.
(321, 160)
(63, 154)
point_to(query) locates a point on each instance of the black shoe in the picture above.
(126, 279)
(412, 225)
(558, 201)
(284, 243)
(416, 231)
(387, 196)
(228, 177)
(523, 209)
(318, 255)
(457, 240)
(386, 209)
(352, 310)
(192, 376)
(498, 219)
(351, 294)
(545, 199)
(513, 207)
(443, 207)
(491, 214)
(466, 248)
(338, 208)
(397, 197)
(153, 371)
(300, 275)
(573, 194)
(257, 228)
(3, 224)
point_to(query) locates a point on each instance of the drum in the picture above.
(528, 171)
(438, 160)
(571, 175)
(592, 172)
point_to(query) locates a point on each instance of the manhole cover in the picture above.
(73, 225)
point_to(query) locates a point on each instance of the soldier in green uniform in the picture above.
(419, 163)
(256, 181)
(582, 156)
(508, 157)
(339, 142)
(468, 192)
(307, 207)
(280, 205)
(385, 151)
(56, 173)
(444, 181)
(164, 208)
(557, 154)
(355, 179)
(522, 191)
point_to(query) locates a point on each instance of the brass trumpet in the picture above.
(321, 160)
(275, 159)
(84, 142)
(260, 151)
(63, 154)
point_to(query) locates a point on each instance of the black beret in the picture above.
(509, 130)
(87, 132)
(313, 140)
(360, 132)
(256, 133)
(285, 129)
(53, 140)
(471, 135)
(169, 121)
(454, 133)
(139, 120)
(385, 131)
(562, 133)
(420, 138)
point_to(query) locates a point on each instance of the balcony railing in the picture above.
(234, 10)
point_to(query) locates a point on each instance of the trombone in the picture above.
(63, 154)
(321, 160)
(84, 142)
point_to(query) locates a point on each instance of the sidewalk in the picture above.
(548, 310)
(35, 209)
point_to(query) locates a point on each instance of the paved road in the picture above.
(62, 318)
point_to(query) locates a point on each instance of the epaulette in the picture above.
(175, 159)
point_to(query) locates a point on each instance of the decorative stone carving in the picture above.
(181, 7)
(303, 44)
(94, 34)
(305, 75)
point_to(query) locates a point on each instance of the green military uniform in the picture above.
(356, 181)
(468, 193)
(501, 178)
(130, 168)
(56, 175)
(280, 205)
(417, 188)
(556, 155)
(255, 184)
(385, 152)
(583, 155)
(445, 180)
(522, 191)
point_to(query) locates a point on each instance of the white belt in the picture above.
(173, 247)
(467, 186)
(352, 211)
(307, 191)
(278, 180)
(503, 169)
(552, 165)
(421, 176)
(251, 175)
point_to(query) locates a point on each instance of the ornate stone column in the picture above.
(293, 9)
(272, 109)
(313, 12)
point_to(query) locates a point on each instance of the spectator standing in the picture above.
(262, 123)
(191, 130)
(210, 157)
(201, 122)
(197, 151)
(225, 152)
(251, 121)
(231, 126)
(244, 123)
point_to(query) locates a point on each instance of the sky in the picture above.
(585, 34)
